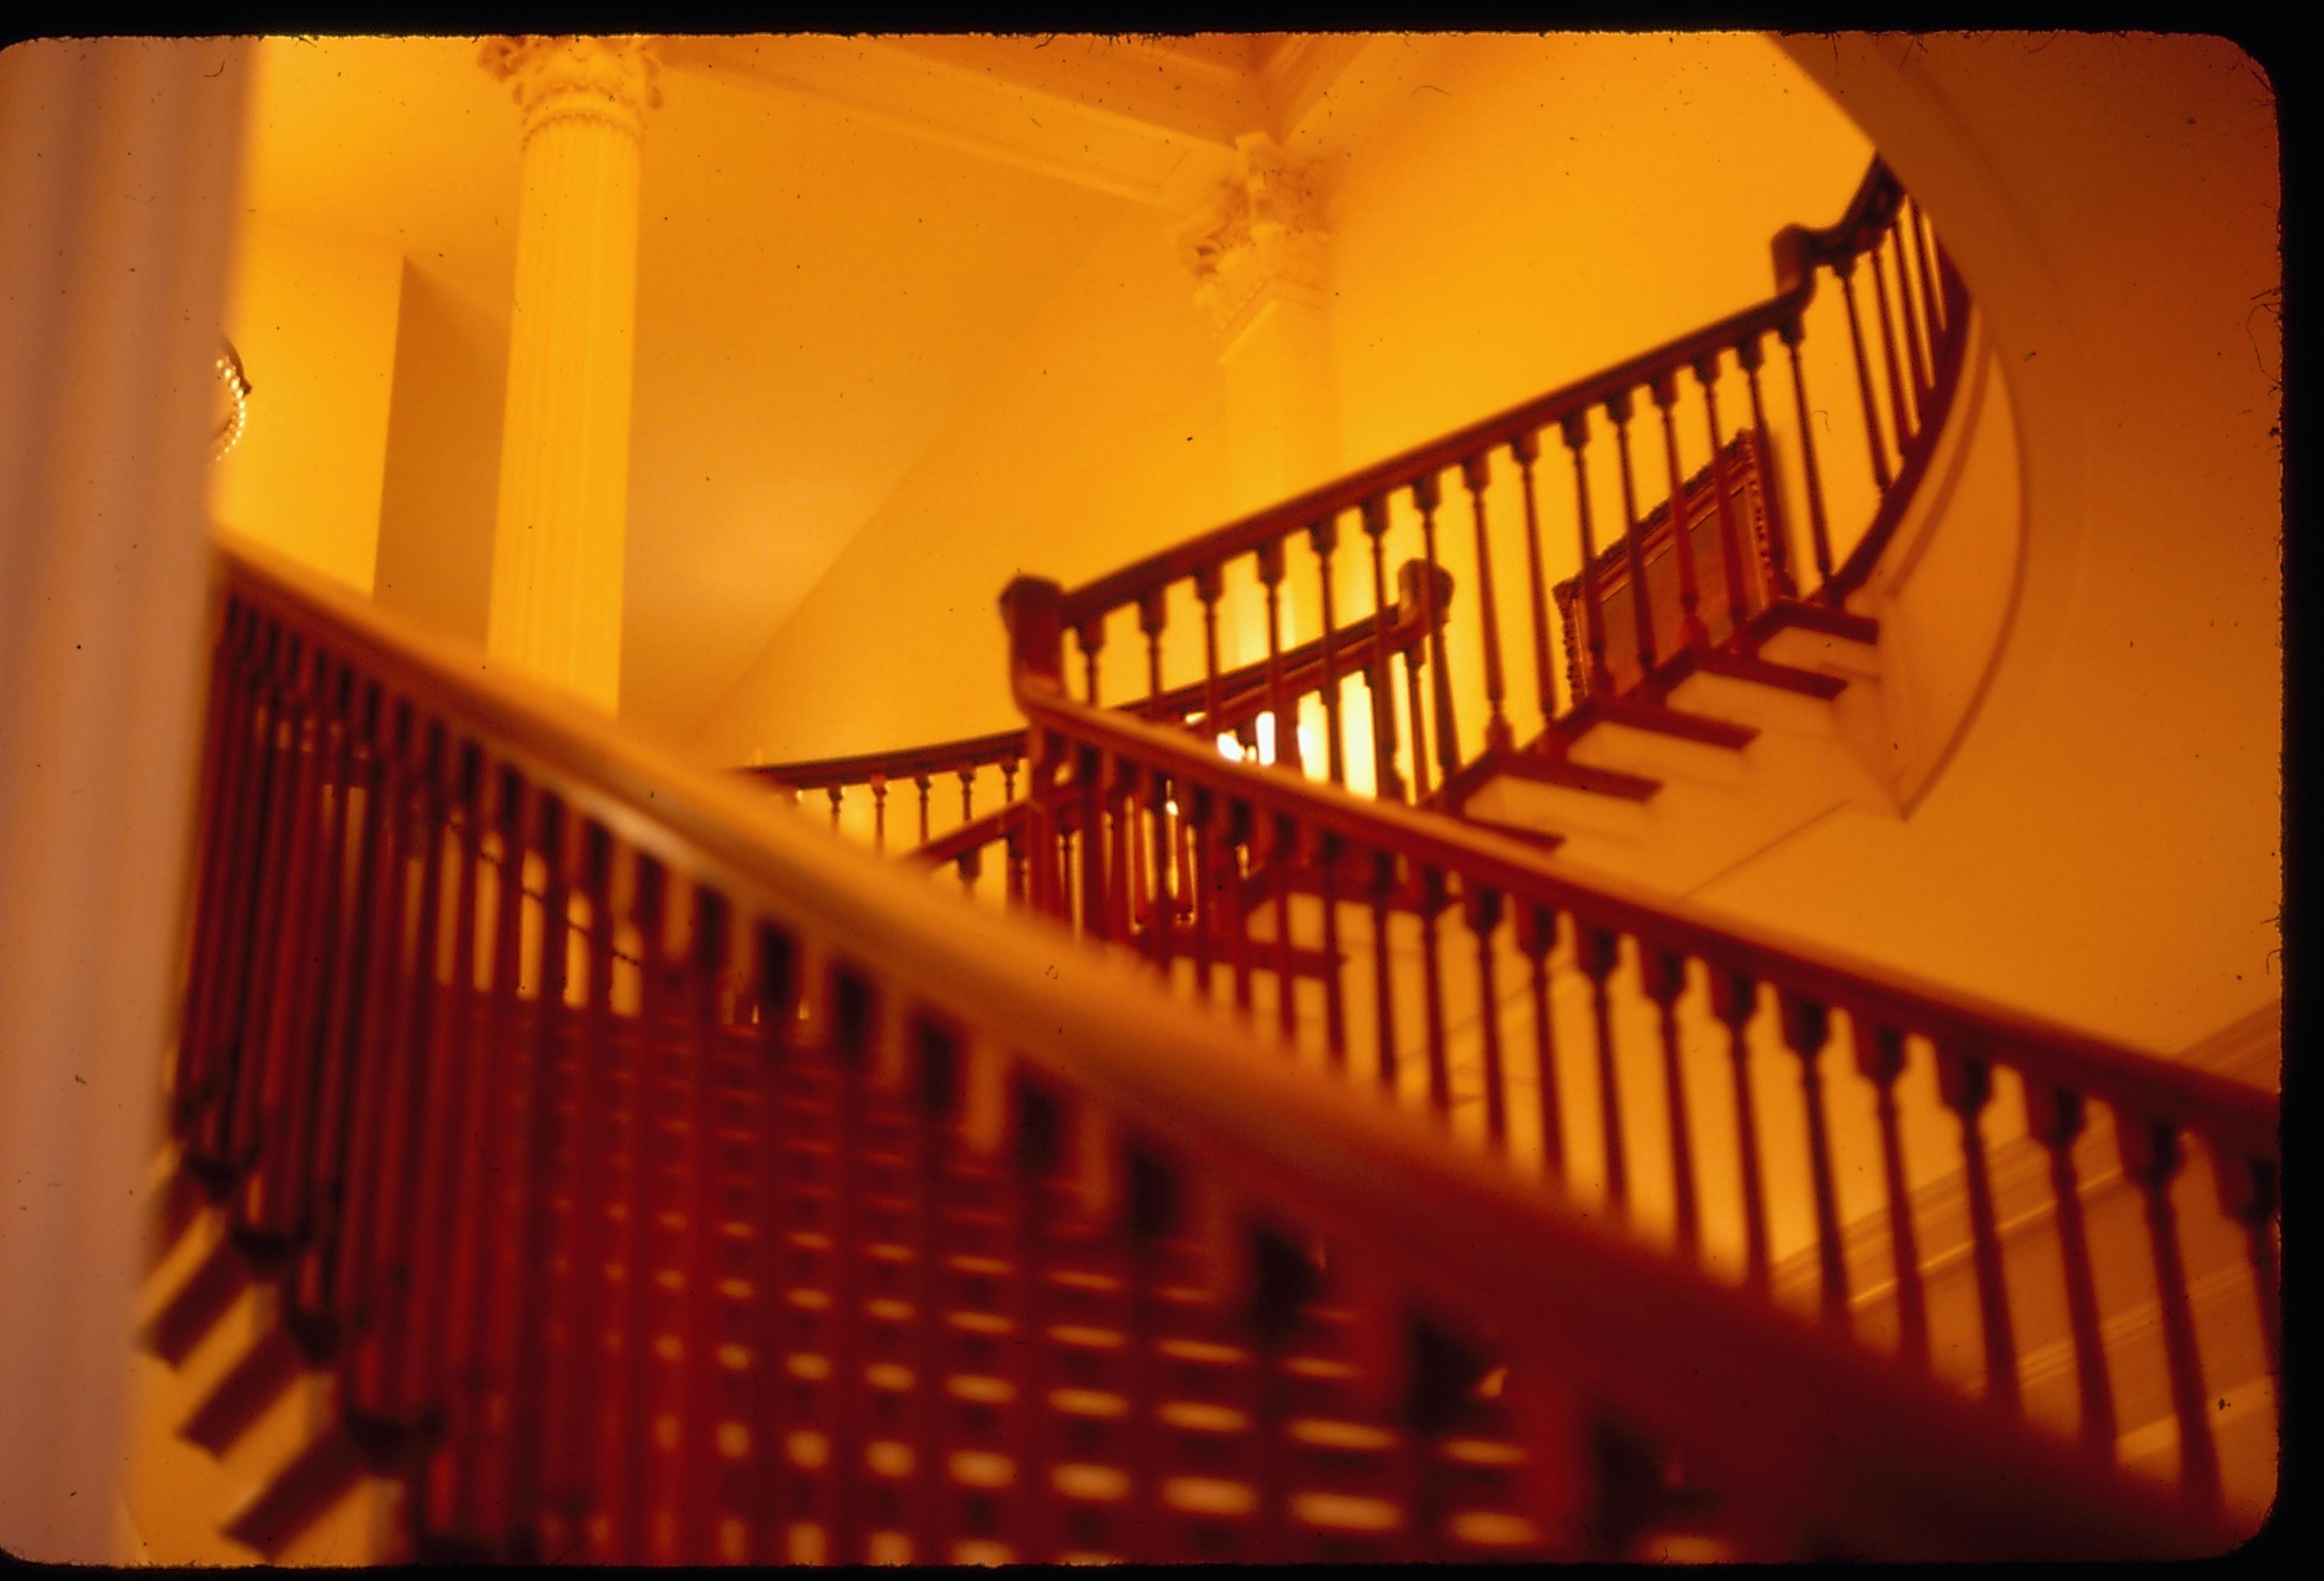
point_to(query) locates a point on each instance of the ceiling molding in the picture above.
(1143, 120)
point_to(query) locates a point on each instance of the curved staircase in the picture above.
(577, 1159)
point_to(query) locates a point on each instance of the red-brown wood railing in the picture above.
(1329, 862)
(1904, 374)
(1245, 696)
(855, 1225)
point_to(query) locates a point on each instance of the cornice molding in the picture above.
(1259, 233)
(610, 79)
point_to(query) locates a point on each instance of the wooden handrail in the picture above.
(2240, 1117)
(1891, 1465)
(1797, 249)
(1354, 645)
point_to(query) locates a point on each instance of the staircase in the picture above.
(1357, 1148)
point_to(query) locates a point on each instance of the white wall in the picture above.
(313, 314)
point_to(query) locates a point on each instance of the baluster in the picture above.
(1844, 267)
(226, 741)
(1576, 431)
(921, 783)
(967, 794)
(1807, 1027)
(1377, 680)
(879, 813)
(1209, 582)
(1731, 541)
(1282, 855)
(575, 1424)
(350, 1286)
(1597, 951)
(280, 937)
(779, 982)
(2054, 1116)
(1014, 841)
(1282, 1282)
(1039, 1144)
(834, 792)
(1692, 633)
(1819, 530)
(933, 1095)
(410, 1092)
(1185, 839)
(1324, 537)
(2248, 1193)
(1043, 837)
(1525, 448)
(464, 1492)
(1481, 909)
(1965, 1086)
(1441, 1371)
(1634, 538)
(1152, 1208)
(1432, 898)
(1665, 974)
(1240, 835)
(1383, 893)
(330, 959)
(266, 1214)
(695, 1468)
(1748, 355)
(1329, 854)
(1476, 471)
(1916, 330)
(1426, 497)
(853, 1007)
(1094, 910)
(1159, 919)
(2152, 1156)
(1091, 636)
(1880, 1056)
(1121, 795)
(1204, 924)
(1286, 722)
(538, 1303)
(260, 856)
(1067, 892)
(1413, 664)
(437, 1294)
(1536, 934)
(1734, 1000)
(633, 1429)
(1901, 415)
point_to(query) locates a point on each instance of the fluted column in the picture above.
(117, 165)
(556, 605)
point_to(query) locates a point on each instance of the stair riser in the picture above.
(1748, 702)
(1829, 655)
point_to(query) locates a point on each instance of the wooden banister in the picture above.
(1053, 1144)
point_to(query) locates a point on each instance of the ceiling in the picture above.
(836, 235)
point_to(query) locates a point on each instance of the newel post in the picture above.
(1033, 609)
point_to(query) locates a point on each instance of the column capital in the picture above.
(1260, 232)
(610, 79)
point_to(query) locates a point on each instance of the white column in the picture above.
(1258, 252)
(118, 159)
(556, 604)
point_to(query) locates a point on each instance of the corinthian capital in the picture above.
(608, 79)
(1261, 231)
